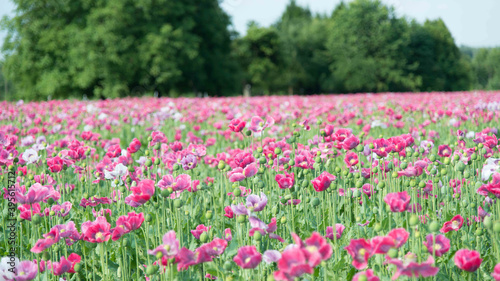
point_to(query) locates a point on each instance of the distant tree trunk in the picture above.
(247, 91)
(290, 90)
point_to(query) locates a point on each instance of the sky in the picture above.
(472, 23)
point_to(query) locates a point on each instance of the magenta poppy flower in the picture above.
(318, 249)
(260, 226)
(409, 267)
(350, 142)
(400, 236)
(142, 192)
(256, 203)
(214, 248)
(398, 201)
(439, 246)
(127, 224)
(236, 125)
(368, 276)
(27, 211)
(114, 151)
(341, 134)
(351, 159)
(382, 244)
(236, 175)
(248, 257)
(339, 229)
(134, 146)
(228, 212)
(35, 194)
(398, 143)
(69, 232)
(328, 130)
(468, 260)
(323, 181)
(292, 264)
(285, 181)
(24, 271)
(97, 231)
(444, 150)
(382, 147)
(189, 162)
(199, 230)
(181, 182)
(170, 246)
(50, 238)
(55, 164)
(360, 251)
(455, 224)
(496, 272)
(65, 265)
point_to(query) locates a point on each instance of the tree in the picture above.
(366, 47)
(110, 48)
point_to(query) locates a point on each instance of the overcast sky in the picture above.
(472, 23)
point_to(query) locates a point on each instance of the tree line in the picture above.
(116, 48)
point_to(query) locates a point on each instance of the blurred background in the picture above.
(53, 49)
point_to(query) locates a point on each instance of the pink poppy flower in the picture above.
(142, 192)
(114, 151)
(199, 230)
(382, 244)
(285, 181)
(27, 211)
(315, 247)
(411, 172)
(398, 201)
(271, 256)
(444, 150)
(468, 260)
(256, 203)
(97, 231)
(248, 257)
(323, 181)
(350, 142)
(351, 159)
(36, 193)
(50, 239)
(260, 226)
(455, 224)
(439, 246)
(55, 164)
(170, 246)
(400, 236)
(339, 229)
(496, 272)
(368, 274)
(228, 236)
(236, 125)
(127, 224)
(24, 271)
(257, 124)
(65, 265)
(228, 212)
(134, 146)
(181, 182)
(292, 264)
(360, 251)
(409, 267)
(382, 147)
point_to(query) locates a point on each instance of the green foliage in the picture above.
(112, 48)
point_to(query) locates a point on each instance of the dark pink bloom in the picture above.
(127, 224)
(199, 230)
(114, 151)
(236, 125)
(285, 181)
(439, 246)
(444, 150)
(316, 248)
(228, 212)
(24, 271)
(181, 182)
(134, 146)
(411, 172)
(351, 159)
(248, 257)
(49, 239)
(382, 147)
(142, 192)
(257, 124)
(260, 226)
(455, 224)
(339, 229)
(97, 231)
(55, 164)
(400, 236)
(382, 244)
(293, 264)
(228, 236)
(341, 134)
(398, 201)
(323, 181)
(468, 260)
(369, 275)
(350, 142)
(360, 251)
(409, 267)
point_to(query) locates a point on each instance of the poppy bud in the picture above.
(157, 161)
(487, 222)
(315, 202)
(479, 232)
(208, 214)
(413, 220)
(228, 265)
(378, 227)
(52, 213)
(148, 218)
(257, 236)
(151, 269)
(434, 226)
(283, 219)
(240, 219)
(177, 203)
(496, 227)
(203, 237)
(36, 219)
(393, 253)
(77, 267)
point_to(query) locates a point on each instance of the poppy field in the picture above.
(396, 186)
